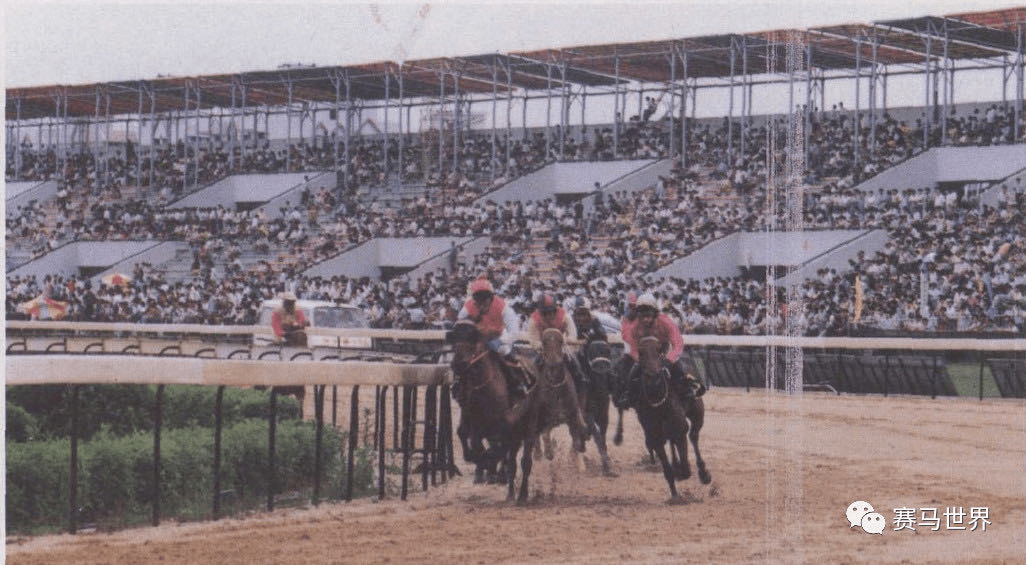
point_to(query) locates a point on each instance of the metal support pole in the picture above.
(218, 428)
(318, 441)
(944, 107)
(196, 139)
(73, 511)
(455, 121)
(617, 110)
(288, 122)
(402, 137)
(684, 110)
(495, 107)
(354, 426)
(673, 96)
(730, 107)
(272, 463)
(158, 422)
(441, 123)
(380, 440)
(548, 111)
(564, 110)
(858, 106)
(926, 94)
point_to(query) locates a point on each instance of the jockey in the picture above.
(288, 322)
(588, 327)
(650, 322)
(625, 365)
(497, 323)
(548, 315)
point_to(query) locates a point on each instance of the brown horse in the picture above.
(487, 412)
(664, 415)
(558, 388)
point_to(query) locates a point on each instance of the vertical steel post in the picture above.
(495, 105)
(73, 511)
(384, 142)
(288, 126)
(402, 136)
(354, 427)
(858, 106)
(730, 107)
(218, 428)
(456, 122)
(617, 110)
(318, 441)
(926, 93)
(548, 110)
(158, 422)
(272, 462)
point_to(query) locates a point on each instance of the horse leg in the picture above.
(511, 469)
(618, 436)
(697, 417)
(526, 463)
(599, 424)
(659, 447)
(575, 421)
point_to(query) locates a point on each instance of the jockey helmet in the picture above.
(647, 302)
(547, 305)
(481, 289)
(581, 303)
(288, 296)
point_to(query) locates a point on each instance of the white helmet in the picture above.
(647, 300)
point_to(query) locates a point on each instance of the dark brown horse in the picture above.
(664, 414)
(596, 358)
(487, 412)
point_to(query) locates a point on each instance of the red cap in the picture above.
(481, 284)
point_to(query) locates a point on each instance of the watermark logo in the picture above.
(860, 513)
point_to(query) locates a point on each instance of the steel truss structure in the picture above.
(80, 117)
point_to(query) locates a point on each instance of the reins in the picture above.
(666, 389)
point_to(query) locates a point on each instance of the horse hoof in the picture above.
(705, 477)
(618, 439)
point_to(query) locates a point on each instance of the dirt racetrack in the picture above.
(784, 471)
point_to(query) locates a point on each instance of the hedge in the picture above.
(115, 476)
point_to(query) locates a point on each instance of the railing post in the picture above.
(218, 425)
(354, 425)
(318, 441)
(73, 512)
(271, 462)
(380, 417)
(407, 437)
(158, 421)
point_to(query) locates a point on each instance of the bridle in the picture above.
(662, 372)
(562, 368)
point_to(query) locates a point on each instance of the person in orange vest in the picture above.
(650, 322)
(288, 322)
(547, 315)
(498, 323)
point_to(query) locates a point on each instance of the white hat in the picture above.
(647, 300)
(288, 296)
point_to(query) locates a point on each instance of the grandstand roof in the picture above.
(979, 36)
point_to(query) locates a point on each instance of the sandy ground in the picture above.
(784, 471)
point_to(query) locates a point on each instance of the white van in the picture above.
(319, 314)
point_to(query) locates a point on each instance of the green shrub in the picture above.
(115, 479)
(21, 426)
(44, 411)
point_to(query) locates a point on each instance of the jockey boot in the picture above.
(516, 376)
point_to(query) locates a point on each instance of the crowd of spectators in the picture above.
(970, 256)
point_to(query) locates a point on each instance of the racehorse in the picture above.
(595, 401)
(486, 410)
(557, 384)
(664, 415)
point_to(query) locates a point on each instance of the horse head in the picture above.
(655, 375)
(467, 346)
(552, 347)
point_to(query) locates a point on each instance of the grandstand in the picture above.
(647, 196)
